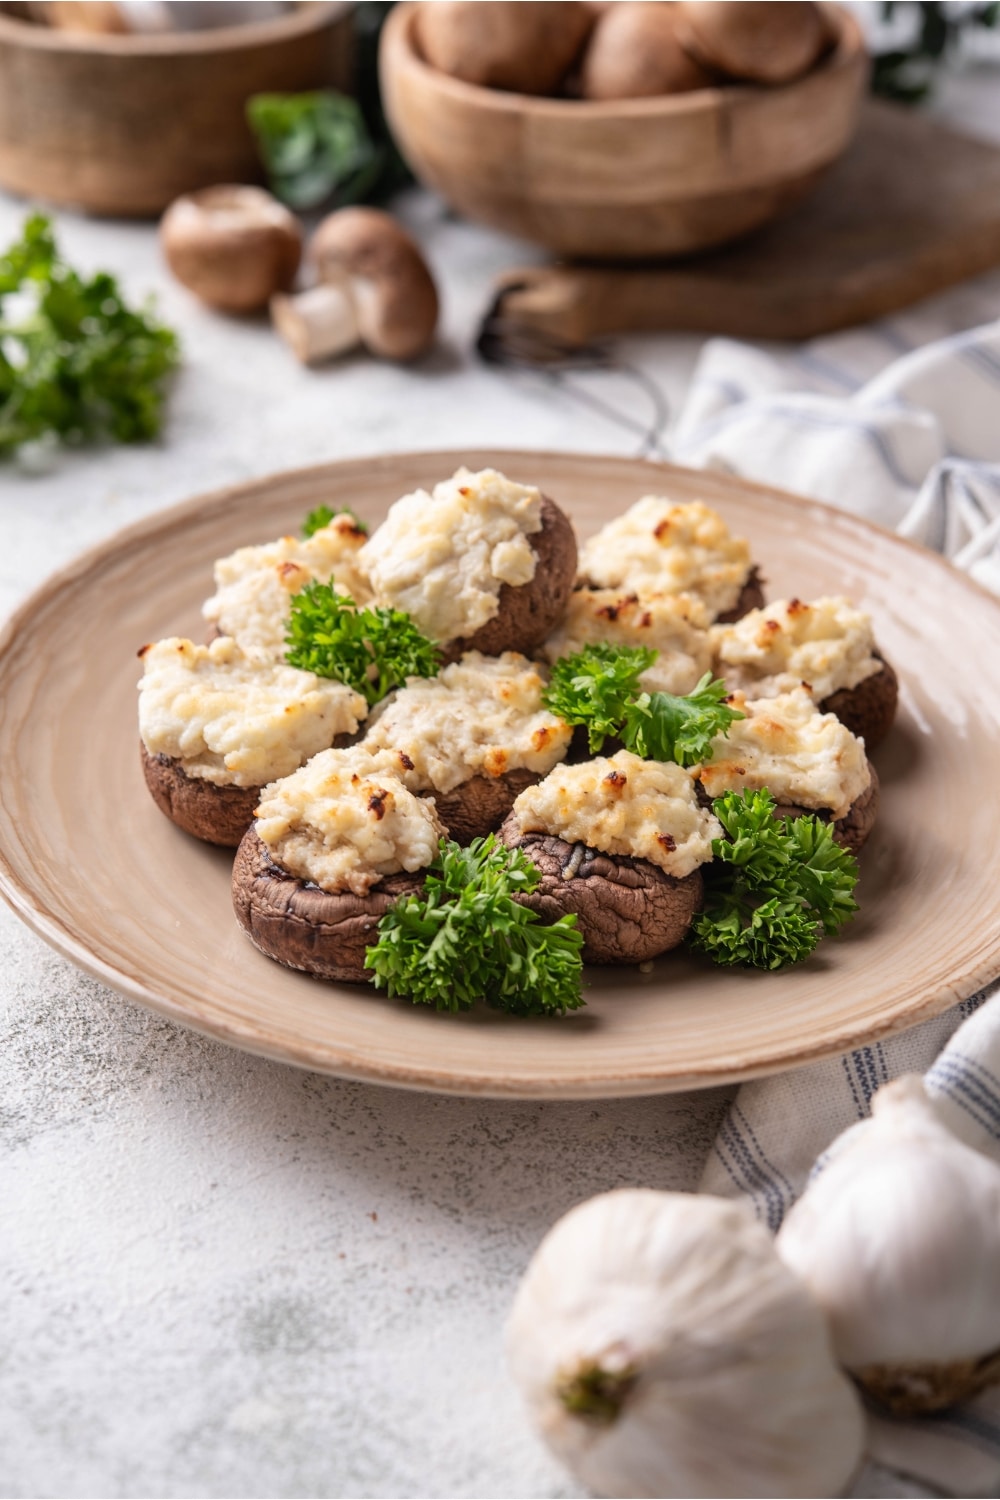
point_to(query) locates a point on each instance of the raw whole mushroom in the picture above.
(233, 246)
(372, 288)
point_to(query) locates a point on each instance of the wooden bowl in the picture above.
(123, 124)
(624, 179)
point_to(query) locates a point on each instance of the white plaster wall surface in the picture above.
(221, 1276)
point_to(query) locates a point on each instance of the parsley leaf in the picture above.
(372, 650)
(595, 686)
(76, 362)
(464, 938)
(660, 726)
(323, 515)
(316, 148)
(774, 887)
(599, 687)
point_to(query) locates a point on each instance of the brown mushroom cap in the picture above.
(634, 53)
(233, 246)
(395, 297)
(217, 814)
(478, 806)
(765, 41)
(628, 910)
(751, 597)
(868, 709)
(525, 47)
(306, 928)
(529, 612)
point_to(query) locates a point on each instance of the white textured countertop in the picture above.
(221, 1276)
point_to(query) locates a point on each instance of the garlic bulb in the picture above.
(898, 1239)
(664, 1349)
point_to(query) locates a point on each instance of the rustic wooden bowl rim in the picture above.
(399, 32)
(310, 15)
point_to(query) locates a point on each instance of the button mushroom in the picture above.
(634, 53)
(372, 288)
(760, 40)
(525, 47)
(233, 246)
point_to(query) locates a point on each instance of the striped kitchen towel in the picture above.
(915, 447)
(777, 1129)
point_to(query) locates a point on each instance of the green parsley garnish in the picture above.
(595, 686)
(316, 148)
(774, 887)
(323, 515)
(372, 650)
(599, 687)
(660, 726)
(465, 938)
(76, 364)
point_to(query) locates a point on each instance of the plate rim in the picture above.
(639, 1081)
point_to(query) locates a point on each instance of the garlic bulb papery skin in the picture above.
(898, 1239)
(664, 1349)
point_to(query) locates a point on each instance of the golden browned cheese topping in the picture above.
(444, 556)
(664, 548)
(621, 804)
(482, 716)
(344, 821)
(673, 625)
(822, 646)
(803, 757)
(254, 585)
(235, 718)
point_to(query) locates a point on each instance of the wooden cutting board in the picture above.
(910, 209)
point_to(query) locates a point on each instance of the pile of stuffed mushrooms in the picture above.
(338, 791)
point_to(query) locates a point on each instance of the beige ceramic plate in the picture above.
(100, 873)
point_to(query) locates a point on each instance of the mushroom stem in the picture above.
(319, 323)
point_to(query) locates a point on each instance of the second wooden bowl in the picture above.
(123, 124)
(627, 179)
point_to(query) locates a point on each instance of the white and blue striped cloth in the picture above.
(916, 447)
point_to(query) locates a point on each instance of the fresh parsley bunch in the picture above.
(372, 650)
(75, 361)
(774, 887)
(599, 687)
(595, 686)
(465, 938)
(323, 515)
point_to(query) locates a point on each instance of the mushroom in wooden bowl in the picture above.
(622, 178)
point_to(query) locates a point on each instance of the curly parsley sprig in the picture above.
(599, 688)
(372, 650)
(465, 938)
(594, 687)
(774, 887)
(660, 726)
(77, 364)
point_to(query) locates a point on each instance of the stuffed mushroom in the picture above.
(657, 546)
(619, 841)
(217, 723)
(332, 847)
(827, 647)
(480, 563)
(809, 761)
(675, 626)
(472, 738)
(254, 586)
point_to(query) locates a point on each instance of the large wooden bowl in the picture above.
(123, 124)
(625, 179)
